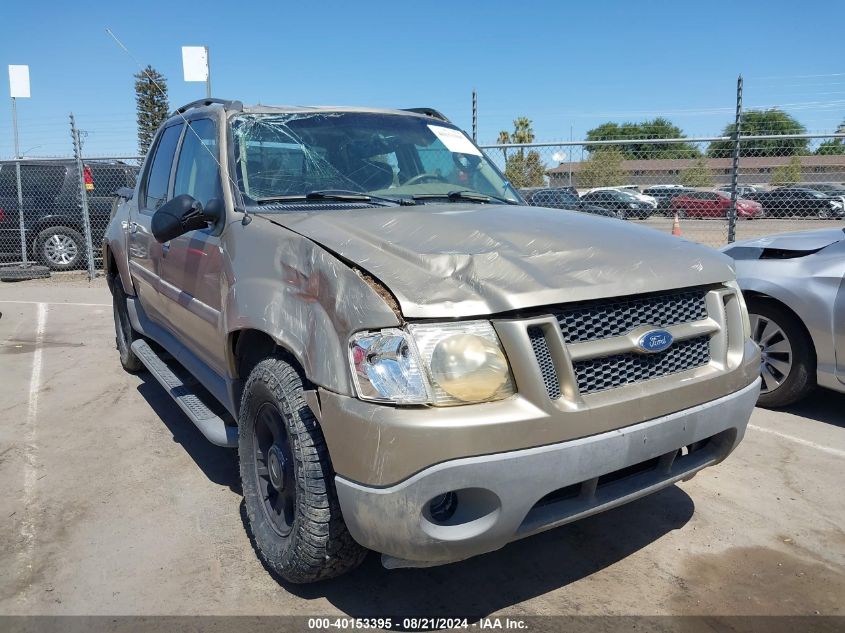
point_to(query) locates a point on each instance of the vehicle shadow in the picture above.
(219, 464)
(525, 569)
(823, 405)
(470, 589)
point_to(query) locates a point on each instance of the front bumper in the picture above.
(506, 496)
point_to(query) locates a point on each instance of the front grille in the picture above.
(598, 374)
(615, 317)
(544, 359)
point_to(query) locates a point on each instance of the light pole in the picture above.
(196, 67)
(19, 87)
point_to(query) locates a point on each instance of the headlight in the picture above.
(385, 368)
(743, 308)
(633, 205)
(465, 362)
(439, 364)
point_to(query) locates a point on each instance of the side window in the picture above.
(197, 173)
(41, 182)
(107, 179)
(159, 174)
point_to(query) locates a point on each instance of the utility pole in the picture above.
(83, 196)
(735, 162)
(474, 115)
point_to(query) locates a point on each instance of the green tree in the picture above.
(697, 175)
(833, 146)
(758, 122)
(523, 168)
(504, 139)
(603, 168)
(151, 105)
(629, 133)
(788, 174)
(526, 170)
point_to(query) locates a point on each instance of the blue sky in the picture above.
(563, 64)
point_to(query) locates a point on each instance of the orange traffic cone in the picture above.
(676, 226)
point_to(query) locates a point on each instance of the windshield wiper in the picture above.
(463, 194)
(344, 195)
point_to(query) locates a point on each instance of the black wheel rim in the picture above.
(274, 472)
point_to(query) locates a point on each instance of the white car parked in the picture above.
(634, 192)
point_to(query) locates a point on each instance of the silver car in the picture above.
(794, 284)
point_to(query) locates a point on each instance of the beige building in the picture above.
(751, 170)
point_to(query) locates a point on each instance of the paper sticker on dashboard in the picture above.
(454, 140)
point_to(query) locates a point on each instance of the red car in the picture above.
(712, 204)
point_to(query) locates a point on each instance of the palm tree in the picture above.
(504, 139)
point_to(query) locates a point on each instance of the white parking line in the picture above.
(29, 476)
(57, 303)
(819, 447)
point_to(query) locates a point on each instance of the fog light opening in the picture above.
(442, 507)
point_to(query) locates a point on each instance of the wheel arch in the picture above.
(752, 296)
(247, 347)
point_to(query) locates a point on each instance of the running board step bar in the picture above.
(207, 421)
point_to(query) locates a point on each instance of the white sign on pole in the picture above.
(195, 63)
(19, 81)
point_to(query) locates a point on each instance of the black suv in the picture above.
(562, 198)
(52, 215)
(787, 201)
(624, 204)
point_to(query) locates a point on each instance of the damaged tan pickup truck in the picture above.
(408, 359)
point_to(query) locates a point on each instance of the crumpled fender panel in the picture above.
(309, 301)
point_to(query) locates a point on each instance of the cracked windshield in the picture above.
(361, 156)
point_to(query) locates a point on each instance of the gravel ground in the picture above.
(114, 504)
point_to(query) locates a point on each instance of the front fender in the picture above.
(302, 296)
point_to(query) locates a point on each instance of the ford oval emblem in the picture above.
(655, 341)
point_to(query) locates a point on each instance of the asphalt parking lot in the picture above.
(714, 231)
(114, 504)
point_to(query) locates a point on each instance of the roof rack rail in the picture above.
(199, 103)
(428, 112)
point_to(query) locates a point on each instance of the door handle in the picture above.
(165, 248)
(133, 227)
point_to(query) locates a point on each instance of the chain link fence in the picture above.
(42, 219)
(783, 182)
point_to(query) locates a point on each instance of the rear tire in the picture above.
(124, 334)
(60, 248)
(288, 481)
(788, 363)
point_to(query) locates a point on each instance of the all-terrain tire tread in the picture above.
(320, 545)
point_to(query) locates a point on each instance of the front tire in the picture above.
(288, 481)
(788, 360)
(60, 247)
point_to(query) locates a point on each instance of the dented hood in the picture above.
(461, 260)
